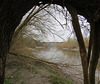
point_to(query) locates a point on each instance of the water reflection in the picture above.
(58, 56)
(69, 58)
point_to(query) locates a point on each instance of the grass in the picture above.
(55, 78)
(9, 81)
(43, 69)
(53, 71)
(35, 71)
(58, 80)
(12, 81)
(14, 65)
(22, 82)
(13, 78)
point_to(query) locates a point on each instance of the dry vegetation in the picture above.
(26, 70)
(72, 43)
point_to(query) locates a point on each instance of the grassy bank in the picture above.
(21, 69)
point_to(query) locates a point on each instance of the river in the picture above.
(68, 61)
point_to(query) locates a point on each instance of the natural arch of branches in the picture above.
(12, 11)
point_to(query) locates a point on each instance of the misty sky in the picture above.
(56, 30)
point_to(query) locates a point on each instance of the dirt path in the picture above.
(23, 70)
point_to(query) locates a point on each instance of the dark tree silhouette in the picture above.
(12, 11)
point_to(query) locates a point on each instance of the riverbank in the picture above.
(21, 69)
(66, 62)
(72, 49)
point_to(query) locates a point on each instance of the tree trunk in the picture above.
(92, 26)
(81, 43)
(2, 69)
(11, 13)
(95, 53)
(5, 39)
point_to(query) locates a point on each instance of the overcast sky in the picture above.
(59, 33)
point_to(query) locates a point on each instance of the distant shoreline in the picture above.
(73, 49)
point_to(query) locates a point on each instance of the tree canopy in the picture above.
(12, 11)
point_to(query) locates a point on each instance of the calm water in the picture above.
(58, 56)
(68, 61)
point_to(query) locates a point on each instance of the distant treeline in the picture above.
(72, 43)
